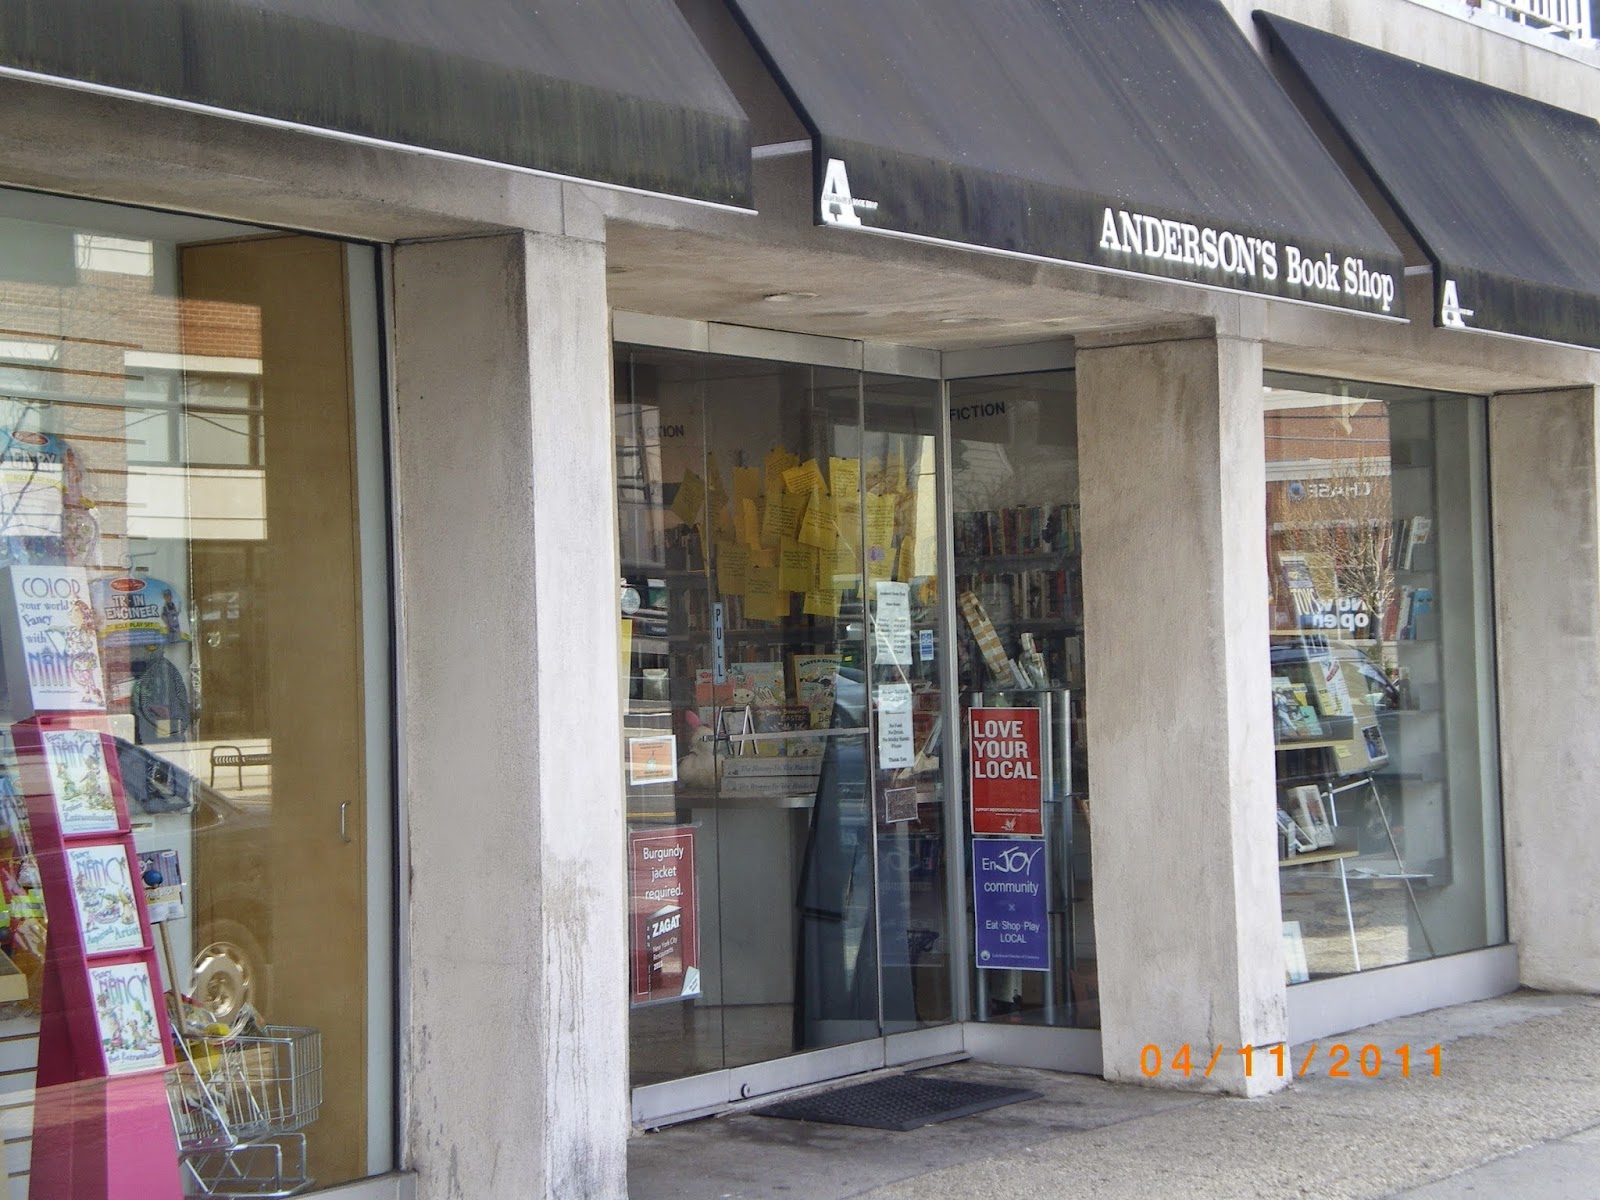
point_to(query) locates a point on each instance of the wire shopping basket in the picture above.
(238, 1104)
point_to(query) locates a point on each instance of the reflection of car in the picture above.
(224, 848)
(1379, 689)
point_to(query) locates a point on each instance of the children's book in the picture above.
(125, 1009)
(758, 683)
(814, 679)
(75, 760)
(102, 886)
(782, 718)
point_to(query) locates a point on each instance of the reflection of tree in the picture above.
(1344, 530)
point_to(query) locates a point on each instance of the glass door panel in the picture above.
(901, 524)
(1014, 488)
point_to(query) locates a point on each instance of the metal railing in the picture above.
(1568, 18)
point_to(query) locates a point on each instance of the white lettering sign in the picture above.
(1224, 252)
(1451, 313)
(839, 207)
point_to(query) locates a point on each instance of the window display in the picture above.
(184, 804)
(1019, 598)
(1381, 688)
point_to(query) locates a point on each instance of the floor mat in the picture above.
(900, 1102)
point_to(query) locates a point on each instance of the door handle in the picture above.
(344, 821)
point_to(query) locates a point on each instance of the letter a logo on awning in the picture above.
(839, 207)
(1451, 314)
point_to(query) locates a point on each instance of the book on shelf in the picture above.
(1292, 839)
(1328, 686)
(783, 718)
(1293, 717)
(813, 677)
(983, 632)
(757, 683)
(1311, 814)
(1405, 535)
(1027, 529)
(1029, 594)
(1405, 606)
(1298, 582)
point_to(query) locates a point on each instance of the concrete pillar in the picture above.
(515, 1070)
(1187, 919)
(1545, 506)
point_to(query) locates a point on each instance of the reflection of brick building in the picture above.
(1328, 498)
(159, 399)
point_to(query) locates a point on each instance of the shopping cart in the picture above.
(238, 1106)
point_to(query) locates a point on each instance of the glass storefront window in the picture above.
(780, 622)
(217, 617)
(1382, 687)
(1019, 600)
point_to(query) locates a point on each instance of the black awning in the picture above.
(616, 91)
(1133, 135)
(1499, 190)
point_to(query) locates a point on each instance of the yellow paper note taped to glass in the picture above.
(733, 567)
(845, 476)
(880, 524)
(819, 527)
(908, 560)
(749, 523)
(841, 571)
(691, 495)
(822, 603)
(804, 479)
(797, 566)
(778, 461)
(761, 594)
(782, 518)
(879, 564)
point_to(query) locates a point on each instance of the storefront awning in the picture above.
(1498, 189)
(1144, 136)
(614, 91)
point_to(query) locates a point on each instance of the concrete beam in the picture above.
(515, 992)
(1187, 917)
(1544, 453)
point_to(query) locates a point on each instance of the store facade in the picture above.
(1087, 582)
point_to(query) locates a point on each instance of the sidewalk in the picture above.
(1514, 1113)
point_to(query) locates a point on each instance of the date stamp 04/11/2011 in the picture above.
(1342, 1061)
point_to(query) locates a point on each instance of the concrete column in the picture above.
(1545, 506)
(1187, 918)
(515, 1070)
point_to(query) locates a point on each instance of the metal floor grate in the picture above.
(900, 1103)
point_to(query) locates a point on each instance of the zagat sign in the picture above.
(1127, 238)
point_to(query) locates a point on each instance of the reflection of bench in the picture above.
(239, 759)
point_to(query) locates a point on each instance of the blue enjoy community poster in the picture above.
(1008, 893)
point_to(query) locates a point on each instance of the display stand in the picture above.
(1341, 856)
(102, 1126)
